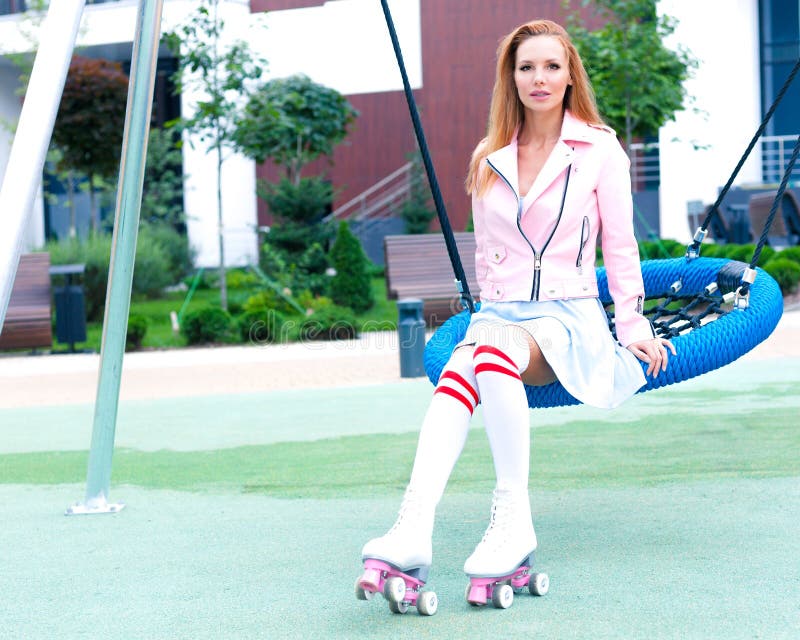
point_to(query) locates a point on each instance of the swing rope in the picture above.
(450, 241)
(689, 293)
(693, 250)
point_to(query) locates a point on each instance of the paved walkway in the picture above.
(66, 379)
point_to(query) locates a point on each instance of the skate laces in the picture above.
(500, 519)
(410, 509)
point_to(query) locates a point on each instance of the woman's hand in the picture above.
(654, 353)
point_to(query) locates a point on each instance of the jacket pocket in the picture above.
(496, 254)
(581, 288)
(585, 229)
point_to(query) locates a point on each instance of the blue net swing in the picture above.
(714, 310)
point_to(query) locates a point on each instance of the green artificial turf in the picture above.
(578, 454)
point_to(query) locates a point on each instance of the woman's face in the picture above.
(541, 73)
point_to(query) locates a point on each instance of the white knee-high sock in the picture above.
(445, 427)
(506, 414)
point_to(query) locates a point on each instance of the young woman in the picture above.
(547, 181)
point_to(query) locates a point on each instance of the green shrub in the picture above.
(661, 249)
(744, 253)
(329, 323)
(241, 279)
(94, 253)
(351, 286)
(790, 253)
(151, 273)
(299, 211)
(207, 324)
(174, 247)
(265, 326)
(137, 329)
(785, 272)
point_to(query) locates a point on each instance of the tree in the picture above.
(637, 80)
(351, 286)
(90, 122)
(416, 210)
(162, 199)
(222, 74)
(293, 121)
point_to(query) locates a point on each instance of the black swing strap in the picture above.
(693, 250)
(447, 231)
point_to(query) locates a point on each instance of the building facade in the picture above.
(449, 52)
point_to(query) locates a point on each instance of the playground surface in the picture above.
(253, 475)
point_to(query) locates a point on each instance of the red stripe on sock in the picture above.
(455, 394)
(485, 348)
(452, 375)
(498, 368)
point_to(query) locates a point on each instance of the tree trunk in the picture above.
(223, 285)
(93, 216)
(73, 222)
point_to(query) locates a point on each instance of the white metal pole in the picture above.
(26, 161)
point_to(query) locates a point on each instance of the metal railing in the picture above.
(775, 152)
(645, 166)
(381, 200)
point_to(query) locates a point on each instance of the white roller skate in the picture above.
(501, 563)
(397, 564)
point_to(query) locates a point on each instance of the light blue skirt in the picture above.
(574, 338)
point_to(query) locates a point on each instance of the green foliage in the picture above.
(94, 253)
(331, 322)
(790, 253)
(638, 81)
(159, 263)
(137, 329)
(162, 196)
(661, 249)
(90, 121)
(222, 72)
(299, 210)
(350, 286)
(207, 325)
(786, 273)
(264, 326)
(416, 212)
(744, 253)
(292, 121)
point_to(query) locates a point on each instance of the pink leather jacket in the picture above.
(542, 246)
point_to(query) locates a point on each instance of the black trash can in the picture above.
(70, 305)
(411, 334)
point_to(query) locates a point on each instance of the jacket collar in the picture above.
(504, 160)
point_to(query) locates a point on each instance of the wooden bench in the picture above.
(418, 266)
(28, 322)
(785, 229)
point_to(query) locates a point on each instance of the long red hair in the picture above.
(506, 112)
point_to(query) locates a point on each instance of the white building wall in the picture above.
(343, 44)
(723, 36)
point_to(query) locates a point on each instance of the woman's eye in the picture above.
(554, 66)
(525, 67)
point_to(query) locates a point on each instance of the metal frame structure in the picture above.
(21, 182)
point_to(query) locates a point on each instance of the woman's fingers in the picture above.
(654, 353)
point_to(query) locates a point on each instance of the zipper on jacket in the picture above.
(537, 256)
(584, 240)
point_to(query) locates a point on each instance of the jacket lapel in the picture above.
(504, 160)
(559, 159)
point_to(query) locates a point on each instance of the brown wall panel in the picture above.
(459, 42)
